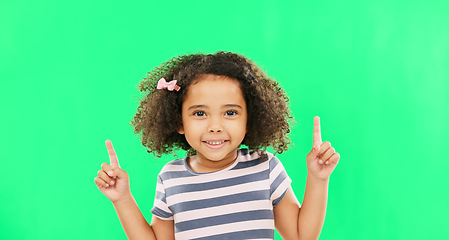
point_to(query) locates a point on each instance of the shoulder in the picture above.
(247, 158)
(262, 155)
(173, 169)
(174, 165)
(246, 154)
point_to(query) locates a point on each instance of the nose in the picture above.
(214, 126)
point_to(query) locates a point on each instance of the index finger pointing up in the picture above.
(112, 156)
(316, 131)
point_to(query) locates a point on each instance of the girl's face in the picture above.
(214, 121)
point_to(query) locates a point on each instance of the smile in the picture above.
(215, 142)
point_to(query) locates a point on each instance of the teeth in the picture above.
(215, 143)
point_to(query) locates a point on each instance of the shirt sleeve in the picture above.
(160, 207)
(279, 181)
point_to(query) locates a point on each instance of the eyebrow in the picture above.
(205, 106)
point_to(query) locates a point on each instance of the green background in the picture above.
(376, 72)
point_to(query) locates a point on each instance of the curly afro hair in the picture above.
(159, 115)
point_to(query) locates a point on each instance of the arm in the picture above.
(313, 210)
(306, 222)
(135, 225)
(132, 220)
(113, 182)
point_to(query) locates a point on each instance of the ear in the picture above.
(181, 130)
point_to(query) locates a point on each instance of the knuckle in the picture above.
(122, 171)
(98, 180)
(103, 176)
(104, 165)
(335, 156)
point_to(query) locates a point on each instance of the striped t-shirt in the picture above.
(233, 203)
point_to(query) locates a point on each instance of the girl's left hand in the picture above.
(323, 159)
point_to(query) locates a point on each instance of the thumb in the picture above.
(314, 153)
(119, 173)
(316, 149)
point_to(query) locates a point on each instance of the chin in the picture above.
(216, 157)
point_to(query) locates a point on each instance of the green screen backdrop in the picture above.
(376, 72)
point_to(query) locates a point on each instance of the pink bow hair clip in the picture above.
(170, 86)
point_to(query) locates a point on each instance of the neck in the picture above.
(202, 165)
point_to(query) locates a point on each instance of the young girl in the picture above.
(211, 105)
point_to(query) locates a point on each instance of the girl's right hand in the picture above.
(112, 181)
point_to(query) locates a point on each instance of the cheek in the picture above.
(193, 128)
(238, 127)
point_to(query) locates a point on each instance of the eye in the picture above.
(199, 114)
(231, 113)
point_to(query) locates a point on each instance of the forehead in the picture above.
(209, 89)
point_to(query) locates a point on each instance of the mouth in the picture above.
(215, 144)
